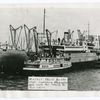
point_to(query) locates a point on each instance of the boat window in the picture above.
(61, 65)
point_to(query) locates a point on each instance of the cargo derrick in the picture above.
(14, 38)
(48, 33)
(29, 39)
(29, 42)
(81, 38)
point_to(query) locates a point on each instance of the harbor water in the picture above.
(81, 80)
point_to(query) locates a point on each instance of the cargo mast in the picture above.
(44, 21)
(88, 29)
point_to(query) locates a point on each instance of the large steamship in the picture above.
(83, 50)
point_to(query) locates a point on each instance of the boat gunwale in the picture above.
(46, 69)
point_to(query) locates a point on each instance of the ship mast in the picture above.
(43, 25)
(44, 21)
(88, 29)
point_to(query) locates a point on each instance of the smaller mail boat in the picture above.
(47, 66)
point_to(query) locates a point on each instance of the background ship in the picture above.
(83, 50)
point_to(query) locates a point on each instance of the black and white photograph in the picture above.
(49, 48)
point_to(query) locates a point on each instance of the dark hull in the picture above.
(82, 65)
(81, 60)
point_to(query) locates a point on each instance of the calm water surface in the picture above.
(85, 79)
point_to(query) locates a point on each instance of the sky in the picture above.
(60, 19)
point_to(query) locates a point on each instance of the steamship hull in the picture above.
(81, 60)
(79, 57)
